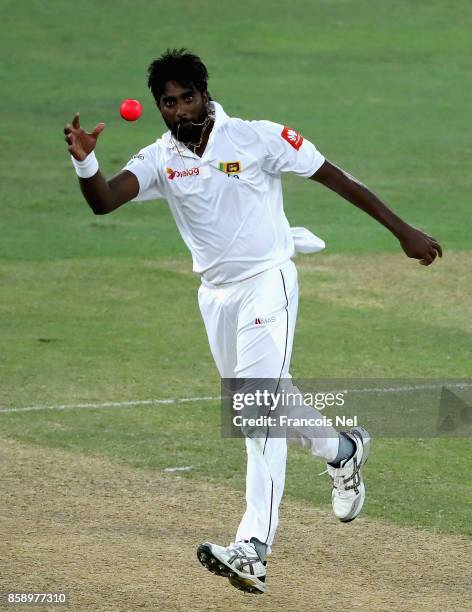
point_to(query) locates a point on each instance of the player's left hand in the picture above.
(419, 245)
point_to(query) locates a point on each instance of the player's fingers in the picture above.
(69, 139)
(437, 247)
(76, 121)
(67, 128)
(426, 261)
(98, 129)
(435, 244)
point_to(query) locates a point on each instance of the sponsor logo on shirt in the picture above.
(262, 321)
(137, 156)
(230, 167)
(172, 174)
(293, 137)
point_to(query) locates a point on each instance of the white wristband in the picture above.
(86, 168)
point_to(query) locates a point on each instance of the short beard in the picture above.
(189, 132)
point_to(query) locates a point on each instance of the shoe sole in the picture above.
(219, 568)
(365, 437)
(245, 585)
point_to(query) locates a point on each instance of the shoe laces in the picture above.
(246, 555)
(337, 478)
(243, 546)
(337, 475)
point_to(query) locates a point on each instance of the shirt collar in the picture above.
(220, 118)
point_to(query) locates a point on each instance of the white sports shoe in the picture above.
(348, 492)
(238, 562)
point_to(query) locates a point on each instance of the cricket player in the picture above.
(221, 177)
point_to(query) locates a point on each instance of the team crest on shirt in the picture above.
(294, 138)
(230, 167)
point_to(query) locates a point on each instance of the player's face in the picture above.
(181, 107)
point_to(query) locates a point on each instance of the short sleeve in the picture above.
(286, 150)
(145, 166)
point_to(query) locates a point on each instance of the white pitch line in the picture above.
(183, 400)
(151, 402)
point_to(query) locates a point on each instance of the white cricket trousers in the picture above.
(250, 326)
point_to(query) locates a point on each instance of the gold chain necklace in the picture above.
(194, 146)
(209, 118)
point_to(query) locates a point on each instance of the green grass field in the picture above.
(99, 309)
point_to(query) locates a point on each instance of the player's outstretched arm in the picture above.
(414, 242)
(102, 196)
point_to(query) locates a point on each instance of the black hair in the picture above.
(177, 65)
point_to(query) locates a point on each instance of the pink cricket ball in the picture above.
(131, 110)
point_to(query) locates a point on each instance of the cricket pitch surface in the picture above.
(119, 538)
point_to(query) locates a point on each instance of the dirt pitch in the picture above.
(119, 538)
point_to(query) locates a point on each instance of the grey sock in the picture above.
(260, 547)
(346, 450)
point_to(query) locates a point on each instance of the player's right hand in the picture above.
(81, 143)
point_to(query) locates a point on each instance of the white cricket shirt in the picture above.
(228, 204)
